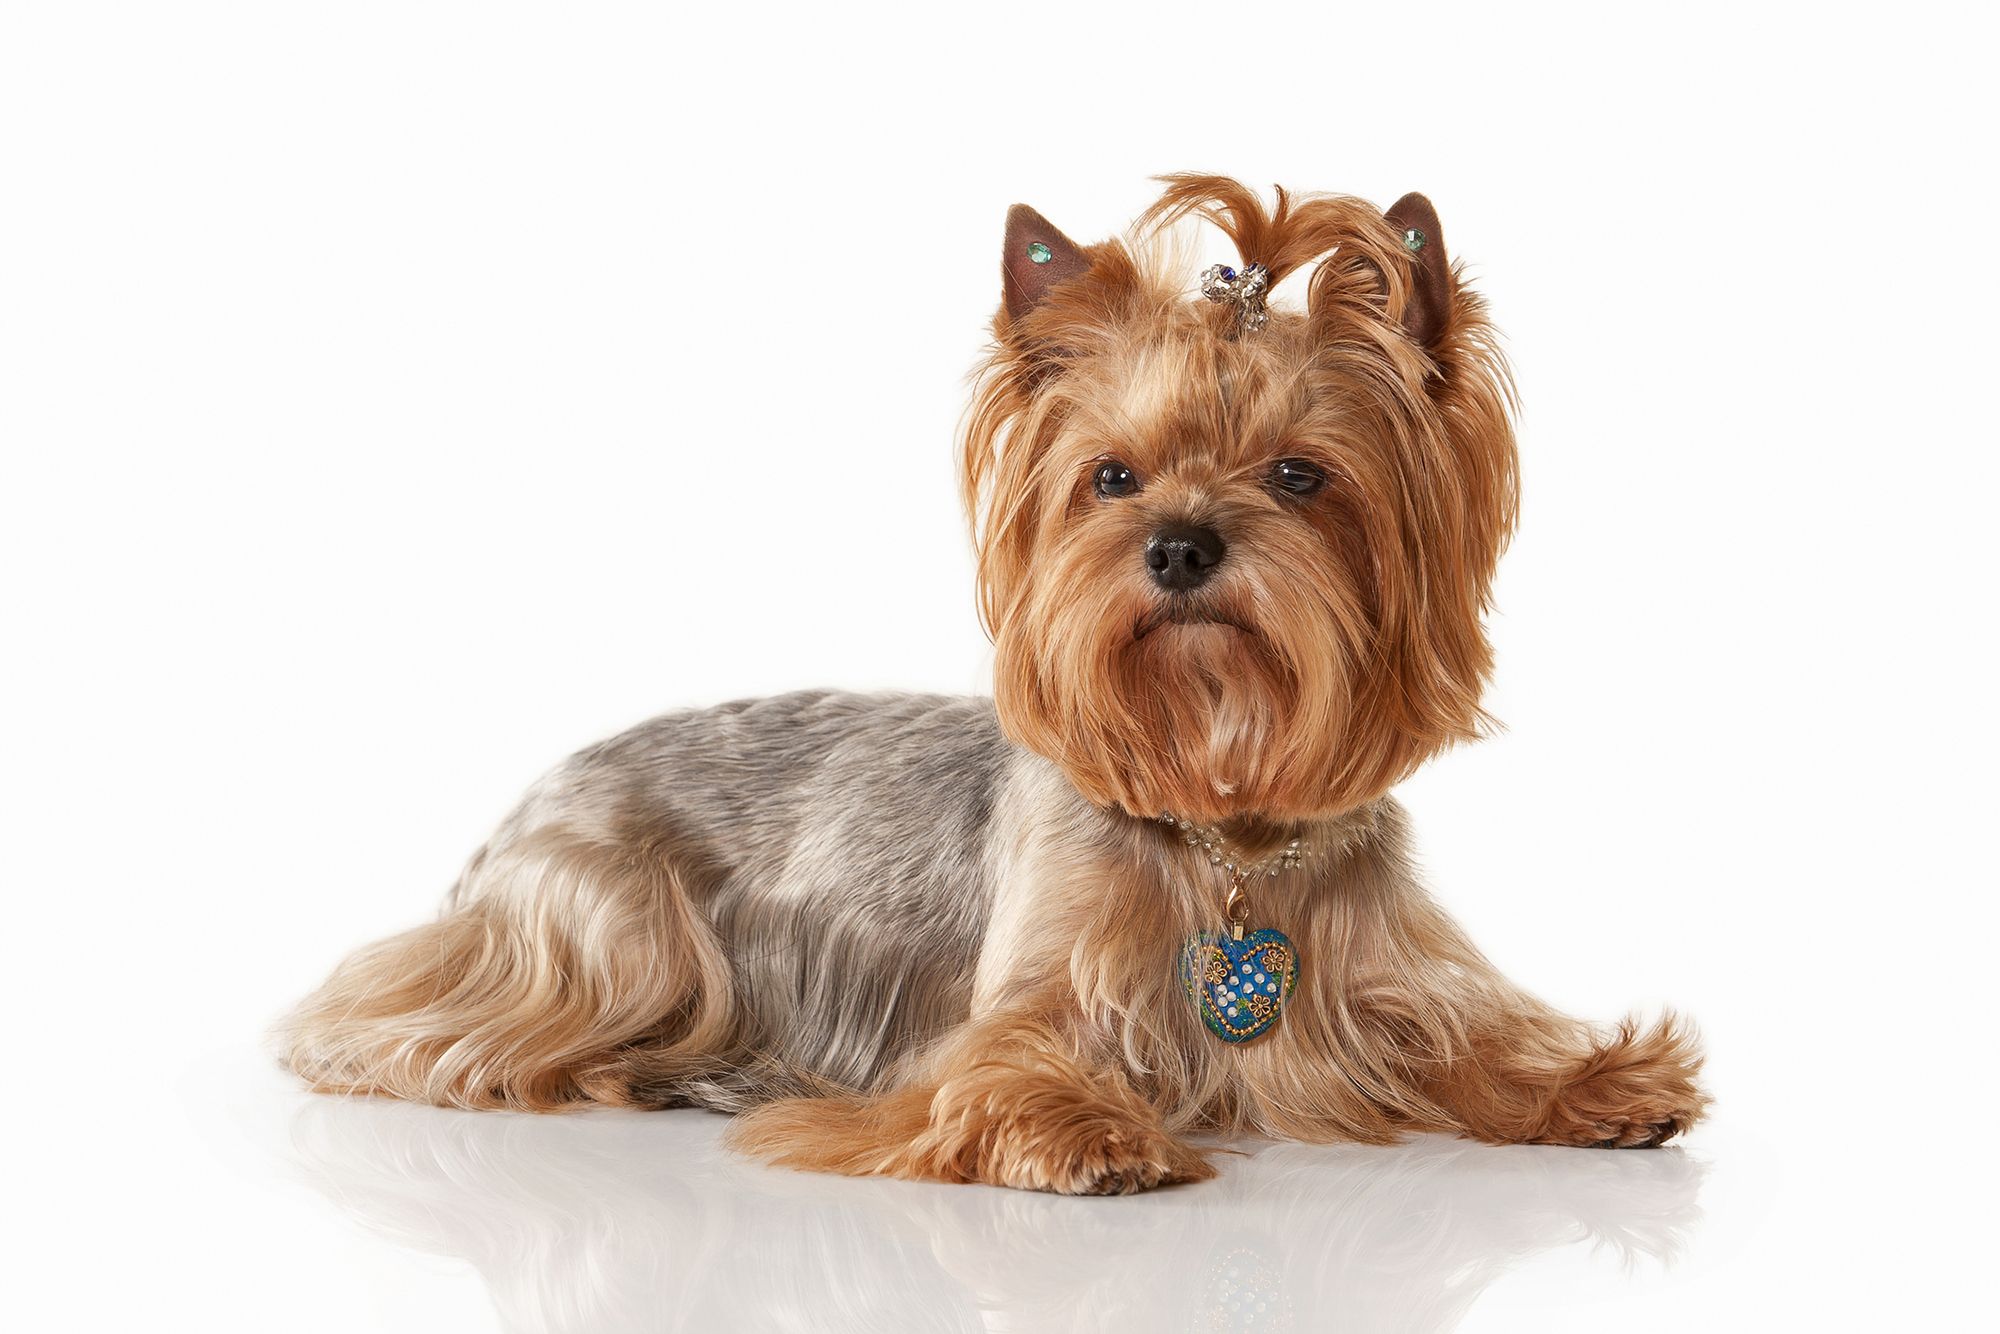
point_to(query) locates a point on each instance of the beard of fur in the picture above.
(1248, 713)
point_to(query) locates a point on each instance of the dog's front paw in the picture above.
(999, 1125)
(1636, 1091)
(1643, 1131)
(1086, 1156)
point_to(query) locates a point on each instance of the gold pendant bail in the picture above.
(1237, 906)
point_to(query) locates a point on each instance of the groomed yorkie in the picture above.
(1234, 559)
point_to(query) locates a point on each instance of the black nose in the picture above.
(1182, 556)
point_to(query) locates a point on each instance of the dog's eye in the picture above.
(1296, 477)
(1113, 478)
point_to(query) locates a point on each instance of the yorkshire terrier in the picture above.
(1234, 559)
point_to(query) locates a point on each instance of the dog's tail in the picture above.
(564, 967)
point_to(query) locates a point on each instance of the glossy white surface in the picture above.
(620, 1222)
(395, 398)
(235, 1201)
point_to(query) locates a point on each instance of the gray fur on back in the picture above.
(840, 844)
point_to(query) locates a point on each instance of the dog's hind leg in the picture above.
(567, 969)
(1005, 1104)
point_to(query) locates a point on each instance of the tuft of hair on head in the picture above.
(1341, 642)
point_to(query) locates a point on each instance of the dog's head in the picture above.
(1236, 565)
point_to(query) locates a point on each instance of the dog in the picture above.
(1234, 558)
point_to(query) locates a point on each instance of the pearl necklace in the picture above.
(1210, 840)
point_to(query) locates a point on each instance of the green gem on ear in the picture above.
(1413, 239)
(1040, 253)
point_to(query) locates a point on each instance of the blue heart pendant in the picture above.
(1239, 986)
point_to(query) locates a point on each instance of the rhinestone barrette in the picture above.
(1246, 290)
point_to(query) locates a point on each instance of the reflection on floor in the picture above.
(607, 1222)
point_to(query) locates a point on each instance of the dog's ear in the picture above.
(1037, 257)
(1428, 310)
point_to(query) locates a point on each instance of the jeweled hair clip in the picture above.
(1246, 290)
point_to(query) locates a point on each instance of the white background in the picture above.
(395, 398)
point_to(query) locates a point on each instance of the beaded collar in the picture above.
(1210, 840)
